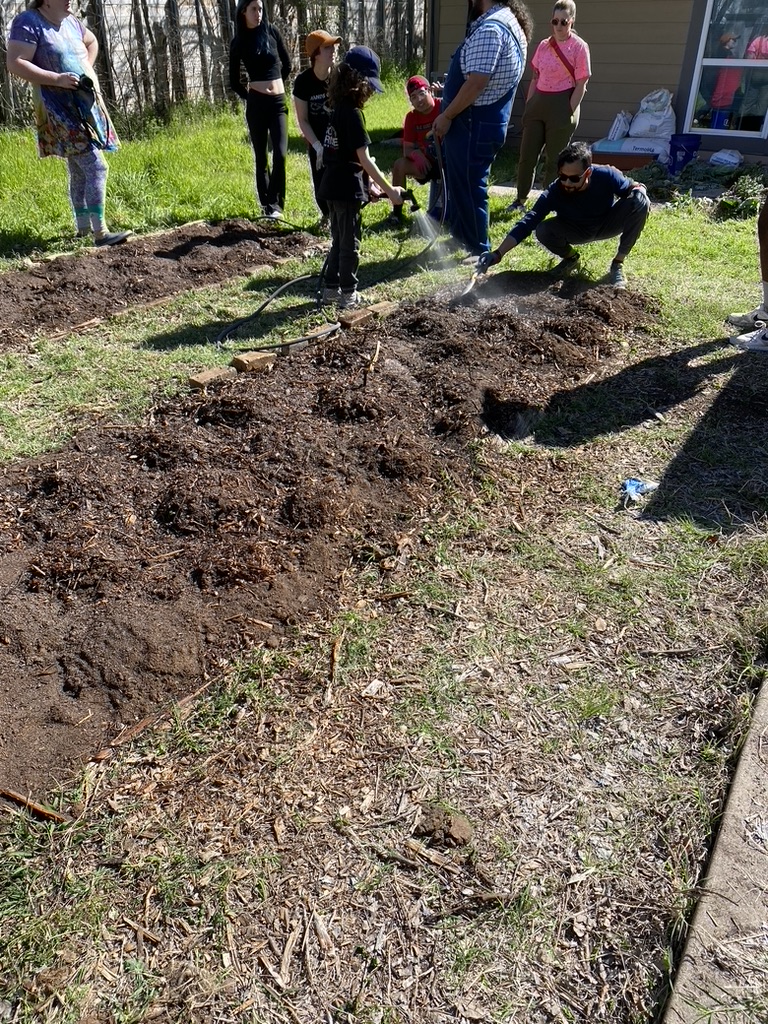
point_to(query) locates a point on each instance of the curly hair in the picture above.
(345, 81)
(523, 15)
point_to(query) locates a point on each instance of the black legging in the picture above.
(267, 117)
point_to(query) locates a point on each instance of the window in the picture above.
(730, 93)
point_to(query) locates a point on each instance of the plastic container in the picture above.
(682, 149)
(721, 119)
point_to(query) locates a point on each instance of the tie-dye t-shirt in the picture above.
(64, 128)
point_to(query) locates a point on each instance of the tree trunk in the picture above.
(218, 58)
(203, 53)
(380, 25)
(6, 100)
(176, 52)
(141, 53)
(344, 20)
(162, 88)
(94, 16)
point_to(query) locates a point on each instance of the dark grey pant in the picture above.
(626, 219)
(346, 235)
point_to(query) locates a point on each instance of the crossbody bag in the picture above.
(563, 59)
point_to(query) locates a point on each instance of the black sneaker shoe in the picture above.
(112, 238)
(516, 207)
(566, 266)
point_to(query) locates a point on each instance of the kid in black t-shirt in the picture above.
(347, 166)
(310, 95)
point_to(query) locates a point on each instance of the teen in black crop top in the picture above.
(259, 48)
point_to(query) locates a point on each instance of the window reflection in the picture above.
(732, 93)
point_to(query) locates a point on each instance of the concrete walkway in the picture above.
(723, 974)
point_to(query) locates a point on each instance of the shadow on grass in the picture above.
(14, 244)
(718, 478)
(265, 323)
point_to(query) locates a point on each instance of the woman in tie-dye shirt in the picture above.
(53, 51)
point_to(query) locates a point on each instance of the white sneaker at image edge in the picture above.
(755, 341)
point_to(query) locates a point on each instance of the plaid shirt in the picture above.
(491, 50)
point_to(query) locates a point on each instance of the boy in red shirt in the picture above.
(418, 160)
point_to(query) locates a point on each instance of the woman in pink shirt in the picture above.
(561, 70)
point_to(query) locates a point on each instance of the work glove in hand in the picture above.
(318, 148)
(487, 260)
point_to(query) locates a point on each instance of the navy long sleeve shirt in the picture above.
(587, 208)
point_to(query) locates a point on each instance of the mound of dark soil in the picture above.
(70, 291)
(137, 561)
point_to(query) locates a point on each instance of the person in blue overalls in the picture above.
(477, 99)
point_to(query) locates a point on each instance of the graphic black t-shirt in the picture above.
(314, 92)
(342, 174)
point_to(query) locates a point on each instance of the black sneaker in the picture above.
(566, 266)
(112, 238)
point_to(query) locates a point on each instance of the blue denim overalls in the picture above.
(470, 146)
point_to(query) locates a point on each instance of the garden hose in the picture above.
(408, 194)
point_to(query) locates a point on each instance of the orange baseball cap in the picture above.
(318, 38)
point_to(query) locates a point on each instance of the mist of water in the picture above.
(426, 226)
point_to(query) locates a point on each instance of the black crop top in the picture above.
(261, 67)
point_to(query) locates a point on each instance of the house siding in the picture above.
(635, 48)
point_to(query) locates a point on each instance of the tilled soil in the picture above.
(138, 561)
(54, 295)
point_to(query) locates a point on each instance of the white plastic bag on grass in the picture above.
(727, 158)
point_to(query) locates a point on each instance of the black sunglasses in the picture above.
(560, 21)
(575, 178)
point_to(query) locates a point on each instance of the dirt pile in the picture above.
(137, 561)
(69, 291)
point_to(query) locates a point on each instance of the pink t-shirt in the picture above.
(553, 74)
(758, 49)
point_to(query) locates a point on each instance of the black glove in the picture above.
(487, 260)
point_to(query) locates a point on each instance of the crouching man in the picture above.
(589, 204)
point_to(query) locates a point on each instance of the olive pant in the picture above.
(548, 124)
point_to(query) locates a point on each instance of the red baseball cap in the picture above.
(416, 82)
